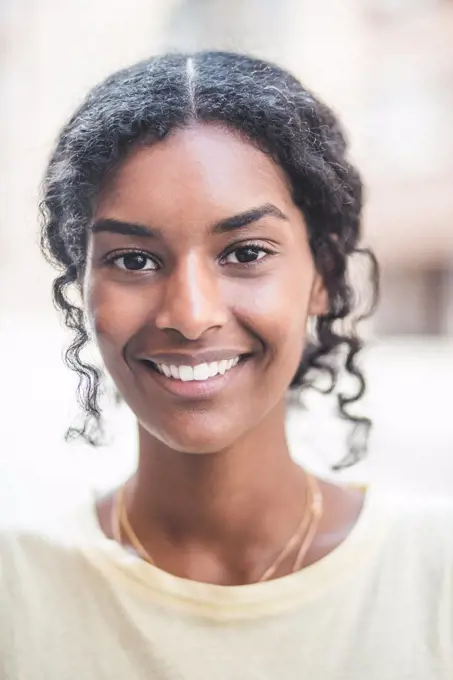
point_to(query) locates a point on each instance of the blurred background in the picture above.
(386, 67)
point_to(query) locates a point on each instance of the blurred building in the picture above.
(406, 151)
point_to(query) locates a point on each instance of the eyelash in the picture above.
(113, 258)
(253, 245)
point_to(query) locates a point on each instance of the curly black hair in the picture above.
(267, 105)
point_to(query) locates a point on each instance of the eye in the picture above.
(246, 254)
(134, 262)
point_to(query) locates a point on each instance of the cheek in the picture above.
(115, 314)
(276, 310)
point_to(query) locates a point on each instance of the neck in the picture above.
(252, 493)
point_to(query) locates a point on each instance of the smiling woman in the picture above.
(204, 208)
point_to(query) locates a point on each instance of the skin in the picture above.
(216, 494)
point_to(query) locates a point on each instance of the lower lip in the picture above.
(197, 389)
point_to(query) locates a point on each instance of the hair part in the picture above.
(143, 104)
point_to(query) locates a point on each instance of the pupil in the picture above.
(134, 261)
(246, 254)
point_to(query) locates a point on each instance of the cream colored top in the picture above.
(74, 605)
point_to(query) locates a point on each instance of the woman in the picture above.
(203, 207)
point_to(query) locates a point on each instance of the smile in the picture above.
(204, 371)
(198, 380)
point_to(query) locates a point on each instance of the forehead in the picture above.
(203, 172)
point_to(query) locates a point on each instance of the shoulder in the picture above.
(419, 532)
(50, 561)
(37, 550)
(423, 514)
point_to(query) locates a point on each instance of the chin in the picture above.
(195, 437)
(198, 443)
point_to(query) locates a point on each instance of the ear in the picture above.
(319, 299)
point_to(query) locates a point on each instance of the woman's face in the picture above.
(198, 285)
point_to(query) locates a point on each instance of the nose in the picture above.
(191, 303)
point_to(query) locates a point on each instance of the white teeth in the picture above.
(213, 369)
(223, 367)
(200, 372)
(185, 373)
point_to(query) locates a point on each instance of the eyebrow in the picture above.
(243, 219)
(239, 221)
(125, 228)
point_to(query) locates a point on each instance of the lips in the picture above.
(197, 379)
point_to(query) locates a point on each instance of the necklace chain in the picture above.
(305, 532)
(303, 535)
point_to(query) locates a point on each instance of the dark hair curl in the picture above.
(268, 106)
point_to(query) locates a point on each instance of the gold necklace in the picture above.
(121, 522)
(305, 531)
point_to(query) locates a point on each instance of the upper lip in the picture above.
(193, 359)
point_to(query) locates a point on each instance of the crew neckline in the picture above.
(125, 569)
